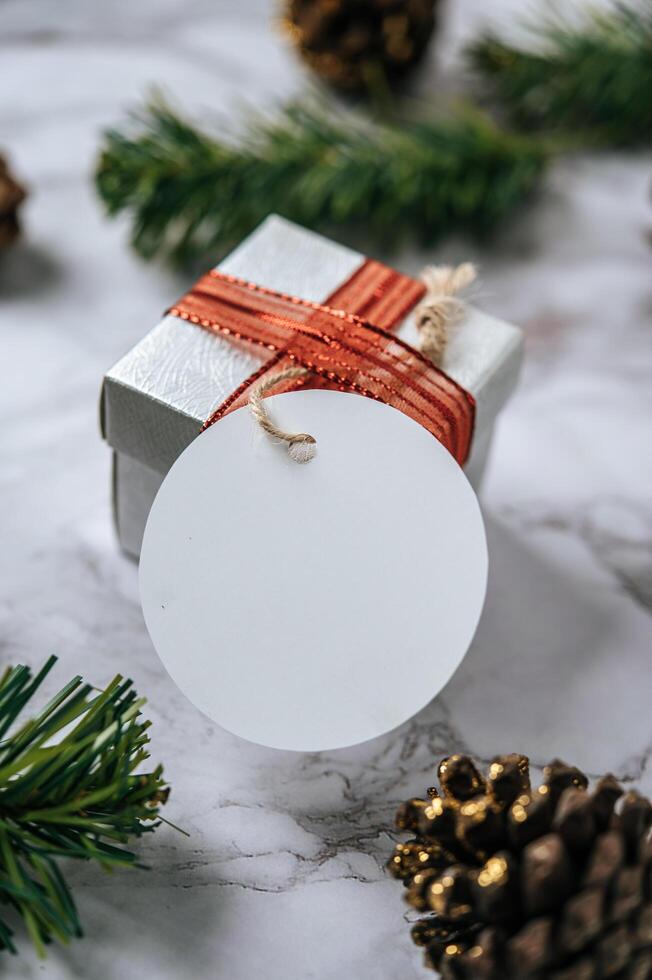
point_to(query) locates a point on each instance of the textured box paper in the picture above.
(156, 398)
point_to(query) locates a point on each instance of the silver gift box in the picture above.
(156, 398)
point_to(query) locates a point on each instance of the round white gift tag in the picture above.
(314, 606)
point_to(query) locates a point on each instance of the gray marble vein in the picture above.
(282, 874)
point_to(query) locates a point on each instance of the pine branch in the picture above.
(592, 79)
(192, 196)
(68, 788)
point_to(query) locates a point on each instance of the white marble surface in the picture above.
(282, 874)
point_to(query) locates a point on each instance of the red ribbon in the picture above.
(346, 344)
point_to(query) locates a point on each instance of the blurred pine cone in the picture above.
(553, 883)
(11, 197)
(353, 43)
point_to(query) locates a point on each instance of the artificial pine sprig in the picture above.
(68, 789)
(192, 196)
(591, 77)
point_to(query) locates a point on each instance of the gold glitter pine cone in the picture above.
(352, 44)
(12, 196)
(517, 883)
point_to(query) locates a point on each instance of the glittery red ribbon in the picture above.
(346, 344)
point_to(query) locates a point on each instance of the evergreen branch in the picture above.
(68, 788)
(592, 79)
(192, 196)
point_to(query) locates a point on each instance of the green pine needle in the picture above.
(68, 788)
(192, 196)
(591, 79)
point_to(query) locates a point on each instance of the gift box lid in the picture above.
(156, 398)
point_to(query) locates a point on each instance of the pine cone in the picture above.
(351, 42)
(553, 883)
(11, 197)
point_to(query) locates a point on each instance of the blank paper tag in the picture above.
(314, 606)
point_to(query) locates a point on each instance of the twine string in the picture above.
(440, 309)
(301, 445)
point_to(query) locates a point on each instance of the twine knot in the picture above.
(441, 308)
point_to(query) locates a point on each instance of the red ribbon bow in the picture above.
(346, 344)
